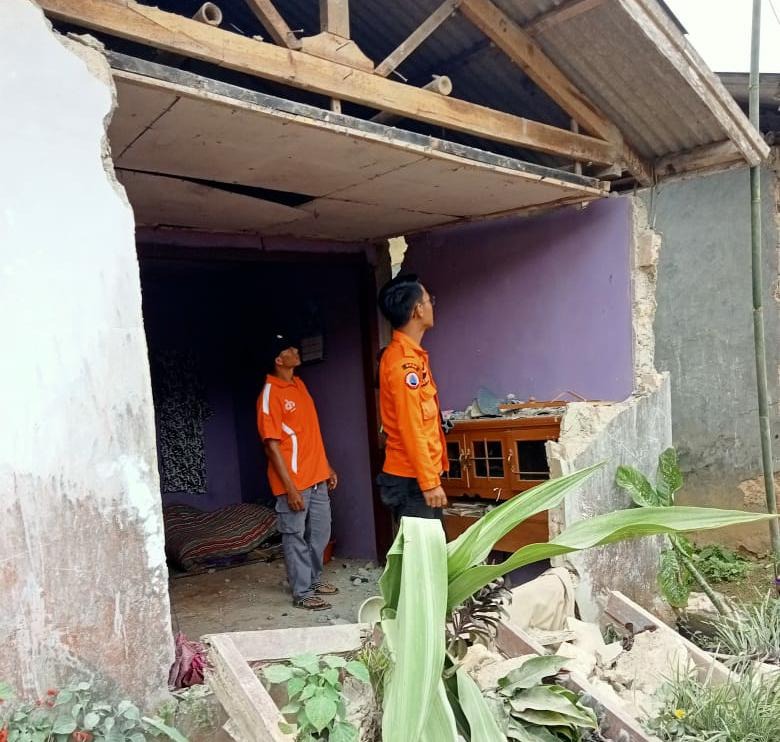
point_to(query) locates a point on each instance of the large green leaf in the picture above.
(674, 579)
(636, 485)
(670, 478)
(603, 529)
(546, 698)
(414, 587)
(531, 673)
(473, 545)
(482, 724)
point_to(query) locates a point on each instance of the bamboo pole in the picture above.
(758, 311)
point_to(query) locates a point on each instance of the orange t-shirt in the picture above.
(286, 413)
(409, 406)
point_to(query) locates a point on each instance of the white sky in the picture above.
(720, 32)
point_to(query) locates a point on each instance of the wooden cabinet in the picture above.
(494, 460)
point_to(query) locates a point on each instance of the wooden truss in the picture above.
(331, 64)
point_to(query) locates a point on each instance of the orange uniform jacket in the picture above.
(286, 413)
(409, 407)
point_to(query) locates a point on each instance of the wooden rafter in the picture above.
(334, 17)
(518, 45)
(273, 22)
(170, 32)
(417, 37)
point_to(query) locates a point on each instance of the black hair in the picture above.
(398, 297)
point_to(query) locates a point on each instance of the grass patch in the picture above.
(744, 709)
(752, 633)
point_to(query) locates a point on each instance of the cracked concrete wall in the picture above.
(83, 577)
(633, 433)
(630, 433)
(704, 336)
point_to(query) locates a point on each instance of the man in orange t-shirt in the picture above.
(415, 451)
(299, 474)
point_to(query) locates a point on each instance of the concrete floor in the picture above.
(256, 596)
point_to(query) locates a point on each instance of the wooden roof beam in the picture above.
(334, 17)
(273, 22)
(157, 28)
(518, 45)
(417, 37)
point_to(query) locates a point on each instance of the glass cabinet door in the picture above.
(488, 469)
(458, 459)
(528, 463)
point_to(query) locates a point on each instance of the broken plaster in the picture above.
(81, 558)
(645, 251)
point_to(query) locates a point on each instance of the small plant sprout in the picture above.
(315, 699)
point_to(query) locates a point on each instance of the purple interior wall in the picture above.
(222, 312)
(531, 307)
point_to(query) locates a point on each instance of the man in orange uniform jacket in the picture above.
(299, 474)
(415, 451)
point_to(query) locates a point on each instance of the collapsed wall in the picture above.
(83, 579)
(632, 432)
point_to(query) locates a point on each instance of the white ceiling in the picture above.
(347, 184)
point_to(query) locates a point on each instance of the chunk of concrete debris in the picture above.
(578, 658)
(477, 656)
(588, 639)
(639, 674)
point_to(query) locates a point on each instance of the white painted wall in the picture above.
(83, 580)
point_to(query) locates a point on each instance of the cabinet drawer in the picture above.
(535, 530)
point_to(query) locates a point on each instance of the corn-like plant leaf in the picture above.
(414, 588)
(440, 719)
(603, 529)
(473, 545)
(638, 487)
(482, 724)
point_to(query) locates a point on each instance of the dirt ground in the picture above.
(758, 581)
(256, 596)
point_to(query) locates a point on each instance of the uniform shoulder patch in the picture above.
(412, 380)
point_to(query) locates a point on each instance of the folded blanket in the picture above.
(195, 539)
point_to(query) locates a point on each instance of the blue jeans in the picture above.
(305, 534)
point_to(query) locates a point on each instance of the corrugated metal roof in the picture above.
(603, 50)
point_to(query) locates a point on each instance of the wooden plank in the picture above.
(624, 610)
(281, 644)
(616, 723)
(560, 13)
(514, 641)
(417, 37)
(708, 157)
(518, 45)
(534, 530)
(334, 17)
(253, 713)
(170, 32)
(273, 22)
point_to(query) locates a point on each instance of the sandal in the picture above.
(312, 603)
(324, 588)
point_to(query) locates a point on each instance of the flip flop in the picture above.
(312, 603)
(324, 588)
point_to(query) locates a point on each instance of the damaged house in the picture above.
(181, 179)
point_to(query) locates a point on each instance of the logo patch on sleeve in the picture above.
(412, 380)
